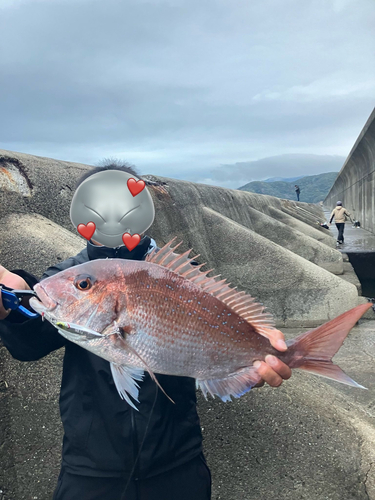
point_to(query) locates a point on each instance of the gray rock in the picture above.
(187, 210)
(223, 226)
(34, 243)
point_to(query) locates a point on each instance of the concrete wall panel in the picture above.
(355, 182)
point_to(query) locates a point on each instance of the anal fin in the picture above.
(125, 381)
(236, 384)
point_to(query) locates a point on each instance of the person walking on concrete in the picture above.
(339, 213)
(297, 191)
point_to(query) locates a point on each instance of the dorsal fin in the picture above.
(240, 302)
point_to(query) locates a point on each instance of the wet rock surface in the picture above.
(30, 428)
(309, 439)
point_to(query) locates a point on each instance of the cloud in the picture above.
(181, 87)
(290, 165)
(320, 90)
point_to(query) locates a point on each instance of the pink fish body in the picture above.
(165, 316)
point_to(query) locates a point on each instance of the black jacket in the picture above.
(103, 435)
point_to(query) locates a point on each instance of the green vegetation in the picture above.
(314, 188)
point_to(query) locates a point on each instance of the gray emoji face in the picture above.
(104, 198)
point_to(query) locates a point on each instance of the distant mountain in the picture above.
(286, 168)
(287, 179)
(314, 188)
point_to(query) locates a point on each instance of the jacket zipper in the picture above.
(134, 438)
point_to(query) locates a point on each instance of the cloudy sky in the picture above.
(198, 90)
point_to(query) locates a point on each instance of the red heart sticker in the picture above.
(135, 187)
(86, 230)
(131, 241)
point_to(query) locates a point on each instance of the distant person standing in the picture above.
(339, 214)
(297, 191)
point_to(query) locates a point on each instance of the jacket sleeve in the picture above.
(332, 215)
(29, 339)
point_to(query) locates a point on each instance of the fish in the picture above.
(166, 316)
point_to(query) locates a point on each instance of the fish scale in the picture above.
(165, 315)
(215, 344)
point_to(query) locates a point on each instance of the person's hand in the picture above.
(13, 281)
(272, 370)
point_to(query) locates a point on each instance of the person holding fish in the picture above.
(135, 319)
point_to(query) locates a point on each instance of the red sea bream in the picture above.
(166, 316)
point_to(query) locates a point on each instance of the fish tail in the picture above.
(313, 351)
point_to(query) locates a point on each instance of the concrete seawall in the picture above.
(355, 183)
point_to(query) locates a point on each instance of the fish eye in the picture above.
(83, 283)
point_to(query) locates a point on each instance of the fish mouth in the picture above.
(43, 303)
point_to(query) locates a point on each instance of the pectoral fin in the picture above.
(151, 373)
(114, 330)
(125, 381)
